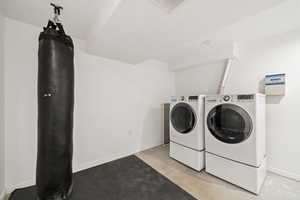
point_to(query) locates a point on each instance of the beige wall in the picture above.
(2, 145)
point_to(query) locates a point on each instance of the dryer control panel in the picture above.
(245, 97)
(230, 98)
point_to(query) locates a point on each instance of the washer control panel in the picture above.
(193, 98)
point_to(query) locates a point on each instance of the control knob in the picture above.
(226, 98)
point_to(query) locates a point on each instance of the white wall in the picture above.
(2, 149)
(117, 106)
(277, 54)
(204, 79)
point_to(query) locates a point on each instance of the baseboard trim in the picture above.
(80, 167)
(88, 165)
(284, 173)
(95, 163)
(28, 183)
(77, 168)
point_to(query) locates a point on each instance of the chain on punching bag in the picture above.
(54, 177)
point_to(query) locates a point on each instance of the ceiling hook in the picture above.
(57, 12)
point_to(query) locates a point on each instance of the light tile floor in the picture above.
(207, 187)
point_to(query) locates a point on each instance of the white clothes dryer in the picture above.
(187, 131)
(235, 138)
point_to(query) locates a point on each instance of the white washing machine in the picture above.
(187, 131)
(235, 139)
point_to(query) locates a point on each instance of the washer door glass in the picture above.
(229, 123)
(183, 118)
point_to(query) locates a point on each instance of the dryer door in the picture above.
(229, 123)
(183, 118)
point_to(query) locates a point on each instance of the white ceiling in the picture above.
(78, 15)
(276, 20)
(137, 30)
(167, 5)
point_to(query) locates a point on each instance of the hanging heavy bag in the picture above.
(54, 177)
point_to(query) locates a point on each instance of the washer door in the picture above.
(183, 118)
(229, 123)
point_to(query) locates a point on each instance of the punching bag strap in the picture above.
(56, 32)
(50, 25)
(60, 28)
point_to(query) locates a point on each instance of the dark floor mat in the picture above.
(124, 179)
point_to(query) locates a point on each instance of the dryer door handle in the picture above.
(211, 124)
(212, 120)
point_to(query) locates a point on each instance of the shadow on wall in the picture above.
(276, 99)
(152, 133)
(261, 86)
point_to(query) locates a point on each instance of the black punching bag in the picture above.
(55, 114)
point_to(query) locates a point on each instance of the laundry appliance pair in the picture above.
(224, 133)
